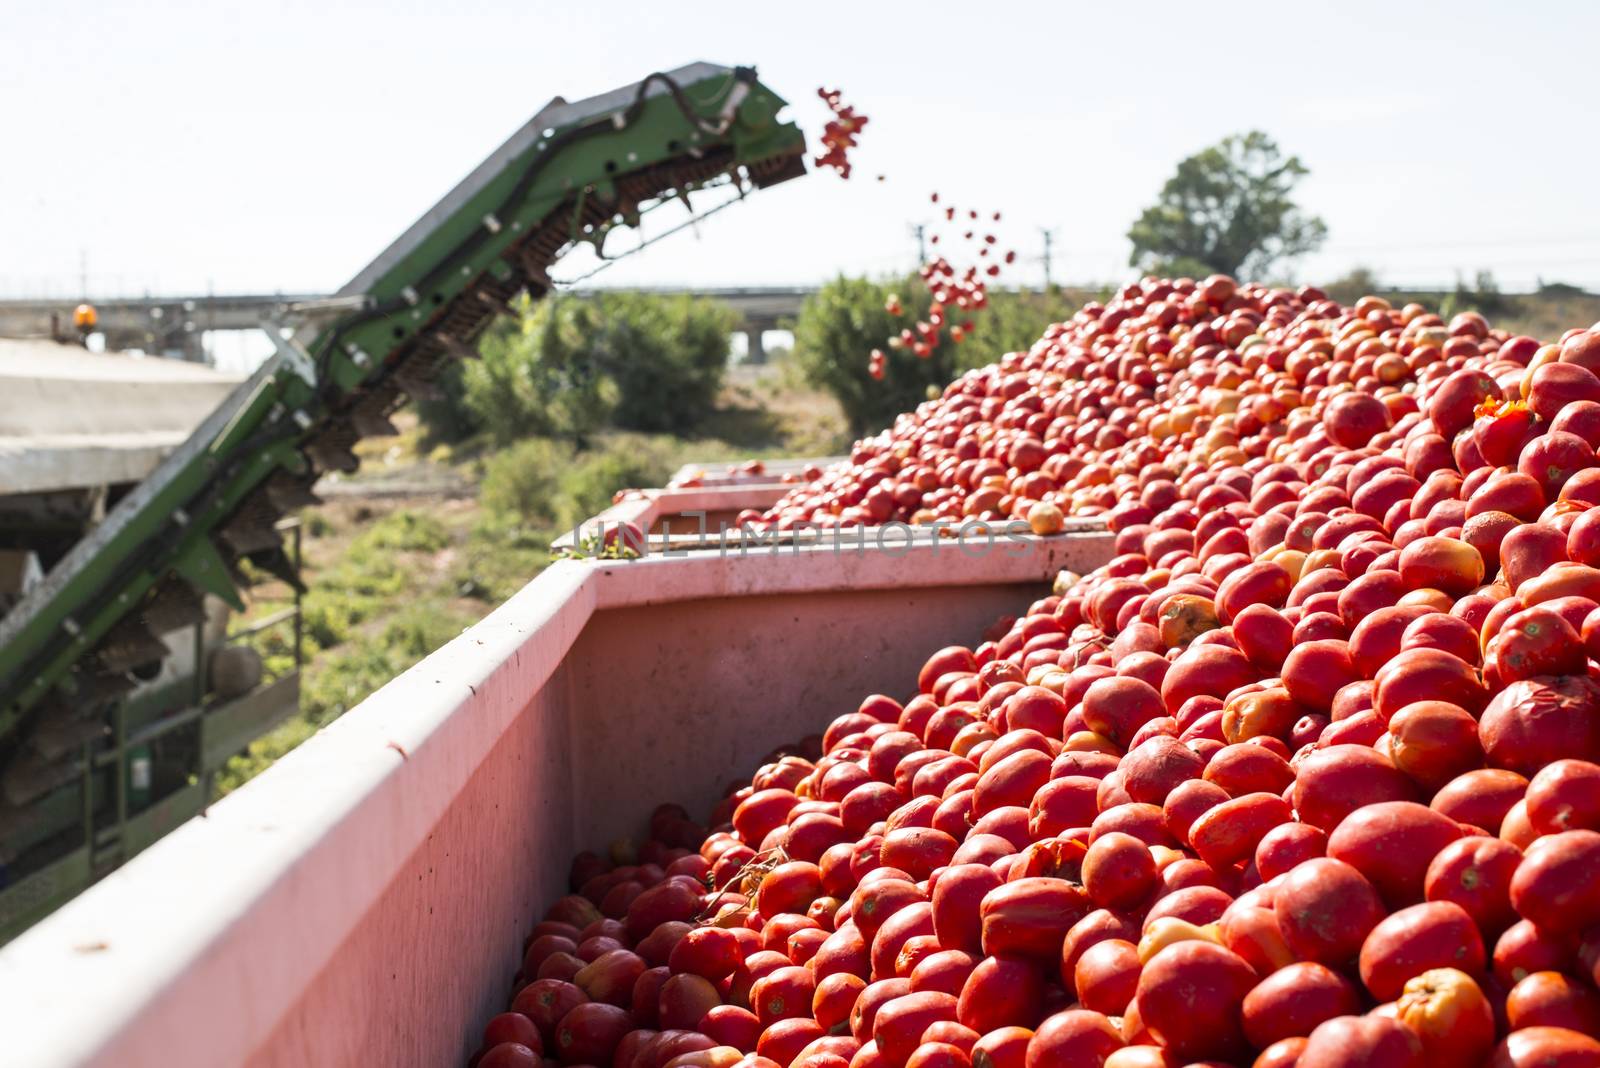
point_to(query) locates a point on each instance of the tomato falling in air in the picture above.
(839, 133)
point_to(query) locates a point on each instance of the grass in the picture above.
(379, 599)
(338, 679)
(391, 579)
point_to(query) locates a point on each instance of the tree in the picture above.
(1228, 210)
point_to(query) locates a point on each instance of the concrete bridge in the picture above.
(174, 325)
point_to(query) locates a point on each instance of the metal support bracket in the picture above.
(297, 358)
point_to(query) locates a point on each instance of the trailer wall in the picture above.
(364, 900)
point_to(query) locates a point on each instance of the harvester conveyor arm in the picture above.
(571, 174)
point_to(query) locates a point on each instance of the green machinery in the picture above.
(75, 645)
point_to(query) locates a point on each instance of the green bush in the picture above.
(666, 355)
(500, 556)
(623, 461)
(330, 616)
(536, 377)
(1014, 321)
(839, 326)
(447, 419)
(524, 479)
(842, 323)
(405, 530)
(548, 483)
(568, 367)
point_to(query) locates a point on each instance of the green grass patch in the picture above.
(544, 483)
(499, 557)
(338, 679)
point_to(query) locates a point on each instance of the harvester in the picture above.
(79, 641)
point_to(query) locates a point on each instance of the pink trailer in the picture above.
(364, 901)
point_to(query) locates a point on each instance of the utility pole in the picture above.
(1049, 240)
(920, 232)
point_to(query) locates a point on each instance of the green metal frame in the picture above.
(103, 840)
(547, 188)
(41, 892)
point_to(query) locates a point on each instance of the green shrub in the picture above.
(546, 483)
(844, 321)
(1014, 321)
(536, 377)
(622, 461)
(447, 419)
(666, 355)
(501, 555)
(404, 530)
(568, 366)
(524, 479)
(327, 618)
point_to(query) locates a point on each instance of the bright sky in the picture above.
(185, 145)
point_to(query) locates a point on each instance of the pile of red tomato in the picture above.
(1307, 775)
